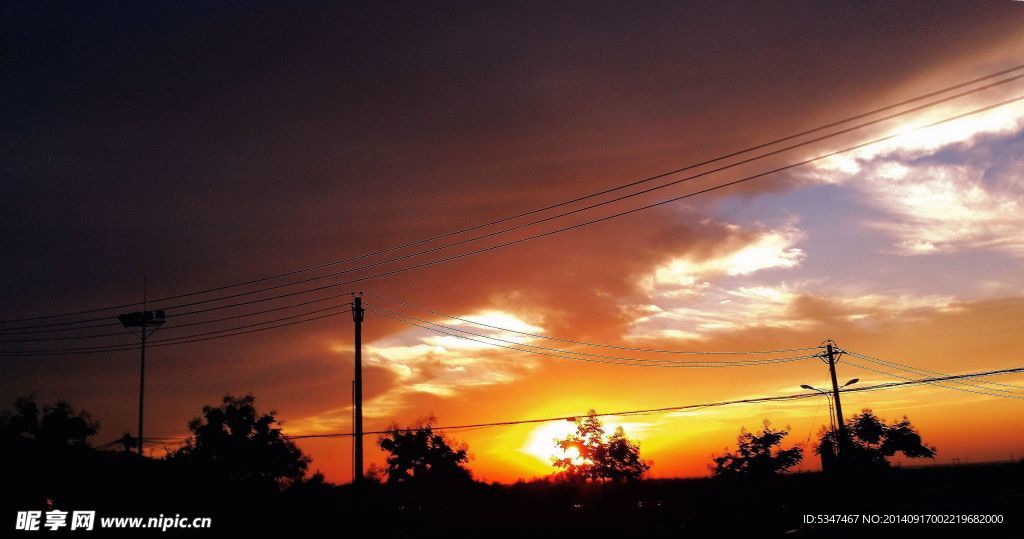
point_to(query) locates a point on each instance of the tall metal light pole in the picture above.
(828, 397)
(831, 412)
(147, 322)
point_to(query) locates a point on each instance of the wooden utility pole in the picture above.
(830, 350)
(357, 439)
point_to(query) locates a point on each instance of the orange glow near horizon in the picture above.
(683, 446)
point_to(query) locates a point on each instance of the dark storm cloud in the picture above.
(188, 141)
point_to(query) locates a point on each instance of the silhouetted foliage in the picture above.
(54, 426)
(235, 442)
(127, 442)
(756, 454)
(45, 451)
(420, 455)
(588, 442)
(71, 475)
(615, 458)
(871, 441)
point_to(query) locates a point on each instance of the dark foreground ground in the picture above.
(775, 507)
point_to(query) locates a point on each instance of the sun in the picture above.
(541, 442)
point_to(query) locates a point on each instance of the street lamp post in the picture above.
(831, 412)
(146, 322)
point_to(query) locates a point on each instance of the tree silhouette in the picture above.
(236, 443)
(54, 426)
(623, 458)
(588, 443)
(418, 455)
(756, 454)
(615, 458)
(872, 441)
(46, 453)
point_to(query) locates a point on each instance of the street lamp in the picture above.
(828, 397)
(831, 413)
(850, 383)
(147, 323)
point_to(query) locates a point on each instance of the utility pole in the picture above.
(357, 439)
(142, 382)
(830, 350)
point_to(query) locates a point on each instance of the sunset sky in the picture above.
(207, 144)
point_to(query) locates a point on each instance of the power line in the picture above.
(581, 209)
(667, 409)
(581, 198)
(440, 328)
(179, 326)
(584, 343)
(599, 204)
(5, 332)
(987, 391)
(613, 216)
(118, 346)
(185, 339)
(663, 202)
(918, 370)
(68, 327)
(586, 223)
(630, 195)
(623, 213)
(608, 360)
(937, 384)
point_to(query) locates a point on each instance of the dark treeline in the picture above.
(238, 469)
